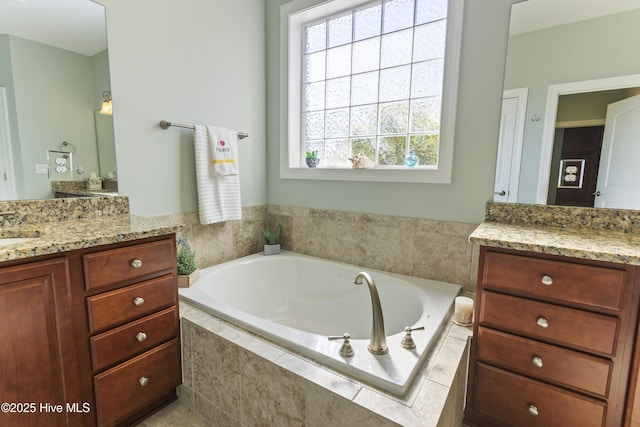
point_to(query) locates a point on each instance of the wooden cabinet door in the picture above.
(38, 364)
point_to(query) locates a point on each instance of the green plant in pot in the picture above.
(188, 272)
(312, 159)
(272, 246)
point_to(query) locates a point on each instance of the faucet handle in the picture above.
(346, 350)
(407, 342)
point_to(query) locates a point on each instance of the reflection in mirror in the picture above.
(575, 63)
(54, 69)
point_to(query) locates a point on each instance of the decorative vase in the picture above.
(412, 160)
(312, 163)
(186, 281)
(271, 249)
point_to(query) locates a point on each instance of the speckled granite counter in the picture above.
(60, 225)
(598, 234)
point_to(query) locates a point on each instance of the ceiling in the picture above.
(79, 25)
(532, 15)
(75, 25)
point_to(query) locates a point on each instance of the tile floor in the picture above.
(176, 414)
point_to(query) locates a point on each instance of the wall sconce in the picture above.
(106, 108)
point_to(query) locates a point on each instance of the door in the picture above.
(619, 174)
(510, 145)
(7, 186)
(37, 349)
(580, 150)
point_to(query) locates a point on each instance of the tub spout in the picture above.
(378, 344)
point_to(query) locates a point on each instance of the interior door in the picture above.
(514, 106)
(619, 175)
(7, 186)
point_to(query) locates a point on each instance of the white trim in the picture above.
(521, 94)
(292, 14)
(555, 91)
(6, 154)
(580, 123)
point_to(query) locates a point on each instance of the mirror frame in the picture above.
(548, 133)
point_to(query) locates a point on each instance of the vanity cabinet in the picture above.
(132, 313)
(94, 330)
(552, 342)
(38, 364)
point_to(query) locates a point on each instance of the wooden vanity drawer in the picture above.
(122, 305)
(581, 330)
(545, 362)
(119, 344)
(114, 266)
(122, 390)
(563, 281)
(513, 400)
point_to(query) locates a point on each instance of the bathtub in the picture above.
(298, 301)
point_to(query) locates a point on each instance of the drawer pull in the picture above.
(141, 336)
(537, 361)
(136, 263)
(533, 410)
(143, 381)
(547, 280)
(542, 322)
(138, 301)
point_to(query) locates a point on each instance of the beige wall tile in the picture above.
(271, 396)
(216, 369)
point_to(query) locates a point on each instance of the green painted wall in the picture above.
(53, 103)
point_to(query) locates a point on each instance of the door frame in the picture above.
(553, 94)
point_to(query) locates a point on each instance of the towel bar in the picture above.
(166, 125)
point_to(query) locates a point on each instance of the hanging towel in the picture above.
(218, 195)
(224, 150)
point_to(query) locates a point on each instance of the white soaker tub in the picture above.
(298, 301)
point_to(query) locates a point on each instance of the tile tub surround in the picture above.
(437, 250)
(597, 234)
(235, 378)
(225, 241)
(430, 249)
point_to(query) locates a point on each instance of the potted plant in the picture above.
(272, 246)
(312, 159)
(188, 273)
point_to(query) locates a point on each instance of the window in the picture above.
(377, 78)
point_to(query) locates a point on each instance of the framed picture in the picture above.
(571, 173)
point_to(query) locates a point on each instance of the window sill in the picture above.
(387, 174)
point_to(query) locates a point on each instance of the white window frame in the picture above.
(292, 17)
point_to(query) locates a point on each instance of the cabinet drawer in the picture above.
(122, 305)
(578, 329)
(117, 345)
(120, 390)
(546, 362)
(119, 265)
(583, 284)
(512, 400)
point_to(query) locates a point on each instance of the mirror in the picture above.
(54, 72)
(568, 60)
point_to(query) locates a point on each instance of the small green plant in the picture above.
(313, 155)
(271, 237)
(185, 257)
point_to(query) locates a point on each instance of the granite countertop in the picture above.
(572, 242)
(60, 236)
(598, 234)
